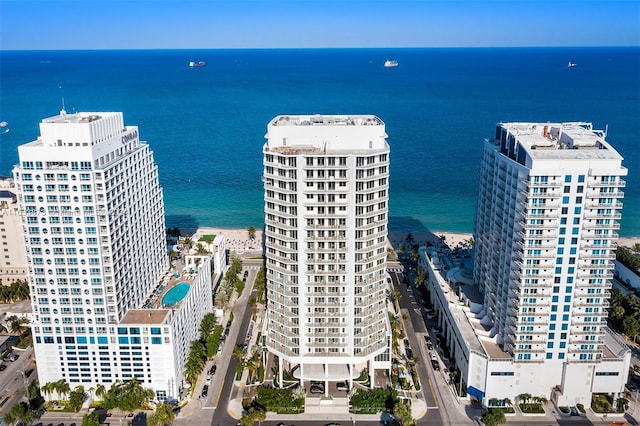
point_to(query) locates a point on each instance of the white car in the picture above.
(208, 380)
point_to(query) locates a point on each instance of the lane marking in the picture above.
(219, 393)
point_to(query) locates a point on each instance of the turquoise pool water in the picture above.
(176, 294)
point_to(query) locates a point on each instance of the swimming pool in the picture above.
(175, 294)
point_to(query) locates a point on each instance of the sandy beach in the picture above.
(235, 239)
(238, 239)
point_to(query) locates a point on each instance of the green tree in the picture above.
(402, 412)
(494, 417)
(163, 416)
(187, 242)
(77, 398)
(206, 326)
(20, 412)
(18, 324)
(616, 313)
(91, 419)
(201, 250)
(100, 390)
(173, 255)
(524, 398)
(630, 326)
(251, 232)
(62, 388)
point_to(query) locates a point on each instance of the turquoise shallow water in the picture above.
(206, 125)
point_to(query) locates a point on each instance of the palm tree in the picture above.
(163, 416)
(187, 242)
(62, 387)
(201, 249)
(48, 389)
(172, 255)
(251, 232)
(100, 390)
(17, 324)
(20, 411)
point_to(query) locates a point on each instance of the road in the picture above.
(11, 380)
(227, 362)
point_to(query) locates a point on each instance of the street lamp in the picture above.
(24, 382)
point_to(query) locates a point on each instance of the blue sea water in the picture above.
(206, 125)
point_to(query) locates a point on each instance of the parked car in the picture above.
(316, 389)
(433, 356)
(214, 367)
(406, 343)
(208, 380)
(3, 367)
(12, 357)
(435, 364)
(427, 339)
(342, 386)
(429, 346)
(205, 391)
(409, 353)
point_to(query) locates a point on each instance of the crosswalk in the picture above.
(395, 269)
(252, 267)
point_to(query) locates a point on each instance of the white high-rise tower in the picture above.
(326, 181)
(94, 231)
(548, 210)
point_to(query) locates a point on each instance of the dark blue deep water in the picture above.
(207, 125)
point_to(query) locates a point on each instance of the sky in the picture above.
(212, 24)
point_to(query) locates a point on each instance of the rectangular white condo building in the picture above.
(545, 236)
(326, 182)
(93, 226)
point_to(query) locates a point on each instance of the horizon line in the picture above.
(319, 48)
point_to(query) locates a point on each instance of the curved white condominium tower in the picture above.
(326, 181)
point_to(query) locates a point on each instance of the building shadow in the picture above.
(187, 223)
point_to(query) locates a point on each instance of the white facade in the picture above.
(547, 215)
(326, 181)
(13, 262)
(95, 241)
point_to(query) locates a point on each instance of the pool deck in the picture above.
(167, 283)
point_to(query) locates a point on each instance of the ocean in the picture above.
(206, 125)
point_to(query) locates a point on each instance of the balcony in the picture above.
(542, 245)
(591, 225)
(591, 214)
(598, 205)
(591, 245)
(597, 194)
(587, 274)
(620, 183)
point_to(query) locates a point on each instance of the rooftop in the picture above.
(574, 140)
(326, 120)
(145, 316)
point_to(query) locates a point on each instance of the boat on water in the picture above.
(194, 64)
(389, 63)
(4, 128)
(571, 64)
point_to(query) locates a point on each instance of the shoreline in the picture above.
(237, 239)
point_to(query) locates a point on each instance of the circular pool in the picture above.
(175, 294)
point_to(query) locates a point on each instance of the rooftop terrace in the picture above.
(326, 120)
